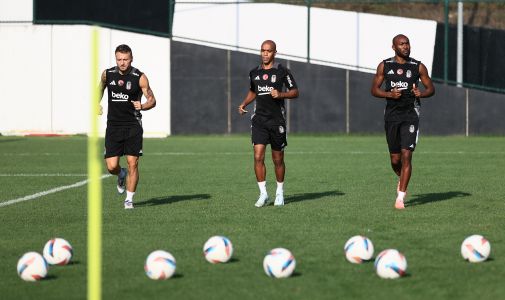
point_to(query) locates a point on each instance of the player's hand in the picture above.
(137, 105)
(395, 93)
(241, 109)
(416, 91)
(275, 94)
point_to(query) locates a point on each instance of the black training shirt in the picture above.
(122, 89)
(401, 76)
(262, 82)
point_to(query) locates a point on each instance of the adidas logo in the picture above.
(411, 146)
(112, 82)
(257, 78)
(391, 72)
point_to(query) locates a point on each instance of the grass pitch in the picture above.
(194, 187)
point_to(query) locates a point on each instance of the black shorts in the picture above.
(121, 141)
(269, 131)
(401, 135)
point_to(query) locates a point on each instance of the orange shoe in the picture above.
(399, 204)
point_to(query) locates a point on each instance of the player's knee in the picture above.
(278, 162)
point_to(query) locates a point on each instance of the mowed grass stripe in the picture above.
(331, 194)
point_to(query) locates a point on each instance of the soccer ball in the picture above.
(32, 267)
(57, 251)
(475, 248)
(391, 264)
(358, 249)
(218, 249)
(279, 263)
(160, 265)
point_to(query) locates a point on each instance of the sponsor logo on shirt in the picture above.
(119, 97)
(401, 85)
(264, 90)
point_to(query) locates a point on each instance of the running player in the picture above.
(125, 86)
(401, 75)
(270, 84)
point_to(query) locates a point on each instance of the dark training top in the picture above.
(122, 89)
(402, 76)
(263, 81)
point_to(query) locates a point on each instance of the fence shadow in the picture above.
(172, 199)
(311, 196)
(421, 199)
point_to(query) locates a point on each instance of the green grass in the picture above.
(194, 187)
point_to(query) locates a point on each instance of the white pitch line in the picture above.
(42, 175)
(51, 191)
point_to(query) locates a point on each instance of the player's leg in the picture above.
(393, 139)
(278, 142)
(260, 171)
(409, 135)
(280, 171)
(133, 151)
(114, 148)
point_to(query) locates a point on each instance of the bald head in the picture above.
(271, 43)
(398, 37)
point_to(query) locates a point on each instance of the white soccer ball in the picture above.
(279, 263)
(32, 267)
(390, 263)
(358, 249)
(160, 265)
(475, 248)
(57, 251)
(218, 249)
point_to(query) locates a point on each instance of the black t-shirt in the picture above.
(122, 89)
(402, 76)
(262, 82)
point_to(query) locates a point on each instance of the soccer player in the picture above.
(401, 75)
(270, 84)
(125, 86)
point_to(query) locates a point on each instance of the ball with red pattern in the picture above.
(58, 251)
(32, 267)
(218, 249)
(160, 265)
(475, 248)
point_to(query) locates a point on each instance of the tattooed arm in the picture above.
(148, 93)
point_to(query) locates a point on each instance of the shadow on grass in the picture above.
(9, 140)
(74, 262)
(50, 277)
(435, 197)
(172, 199)
(311, 196)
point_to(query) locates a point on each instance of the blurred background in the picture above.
(197, 56)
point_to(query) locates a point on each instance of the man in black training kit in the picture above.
(268, 123)
(401, 75)
(125, 86)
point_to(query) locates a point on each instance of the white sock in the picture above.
(401, 195)
(263, 187)
(129, 195)
(280, 188)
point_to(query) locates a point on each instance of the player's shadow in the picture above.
(311, 196)
(435, 197)
(172, 199)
